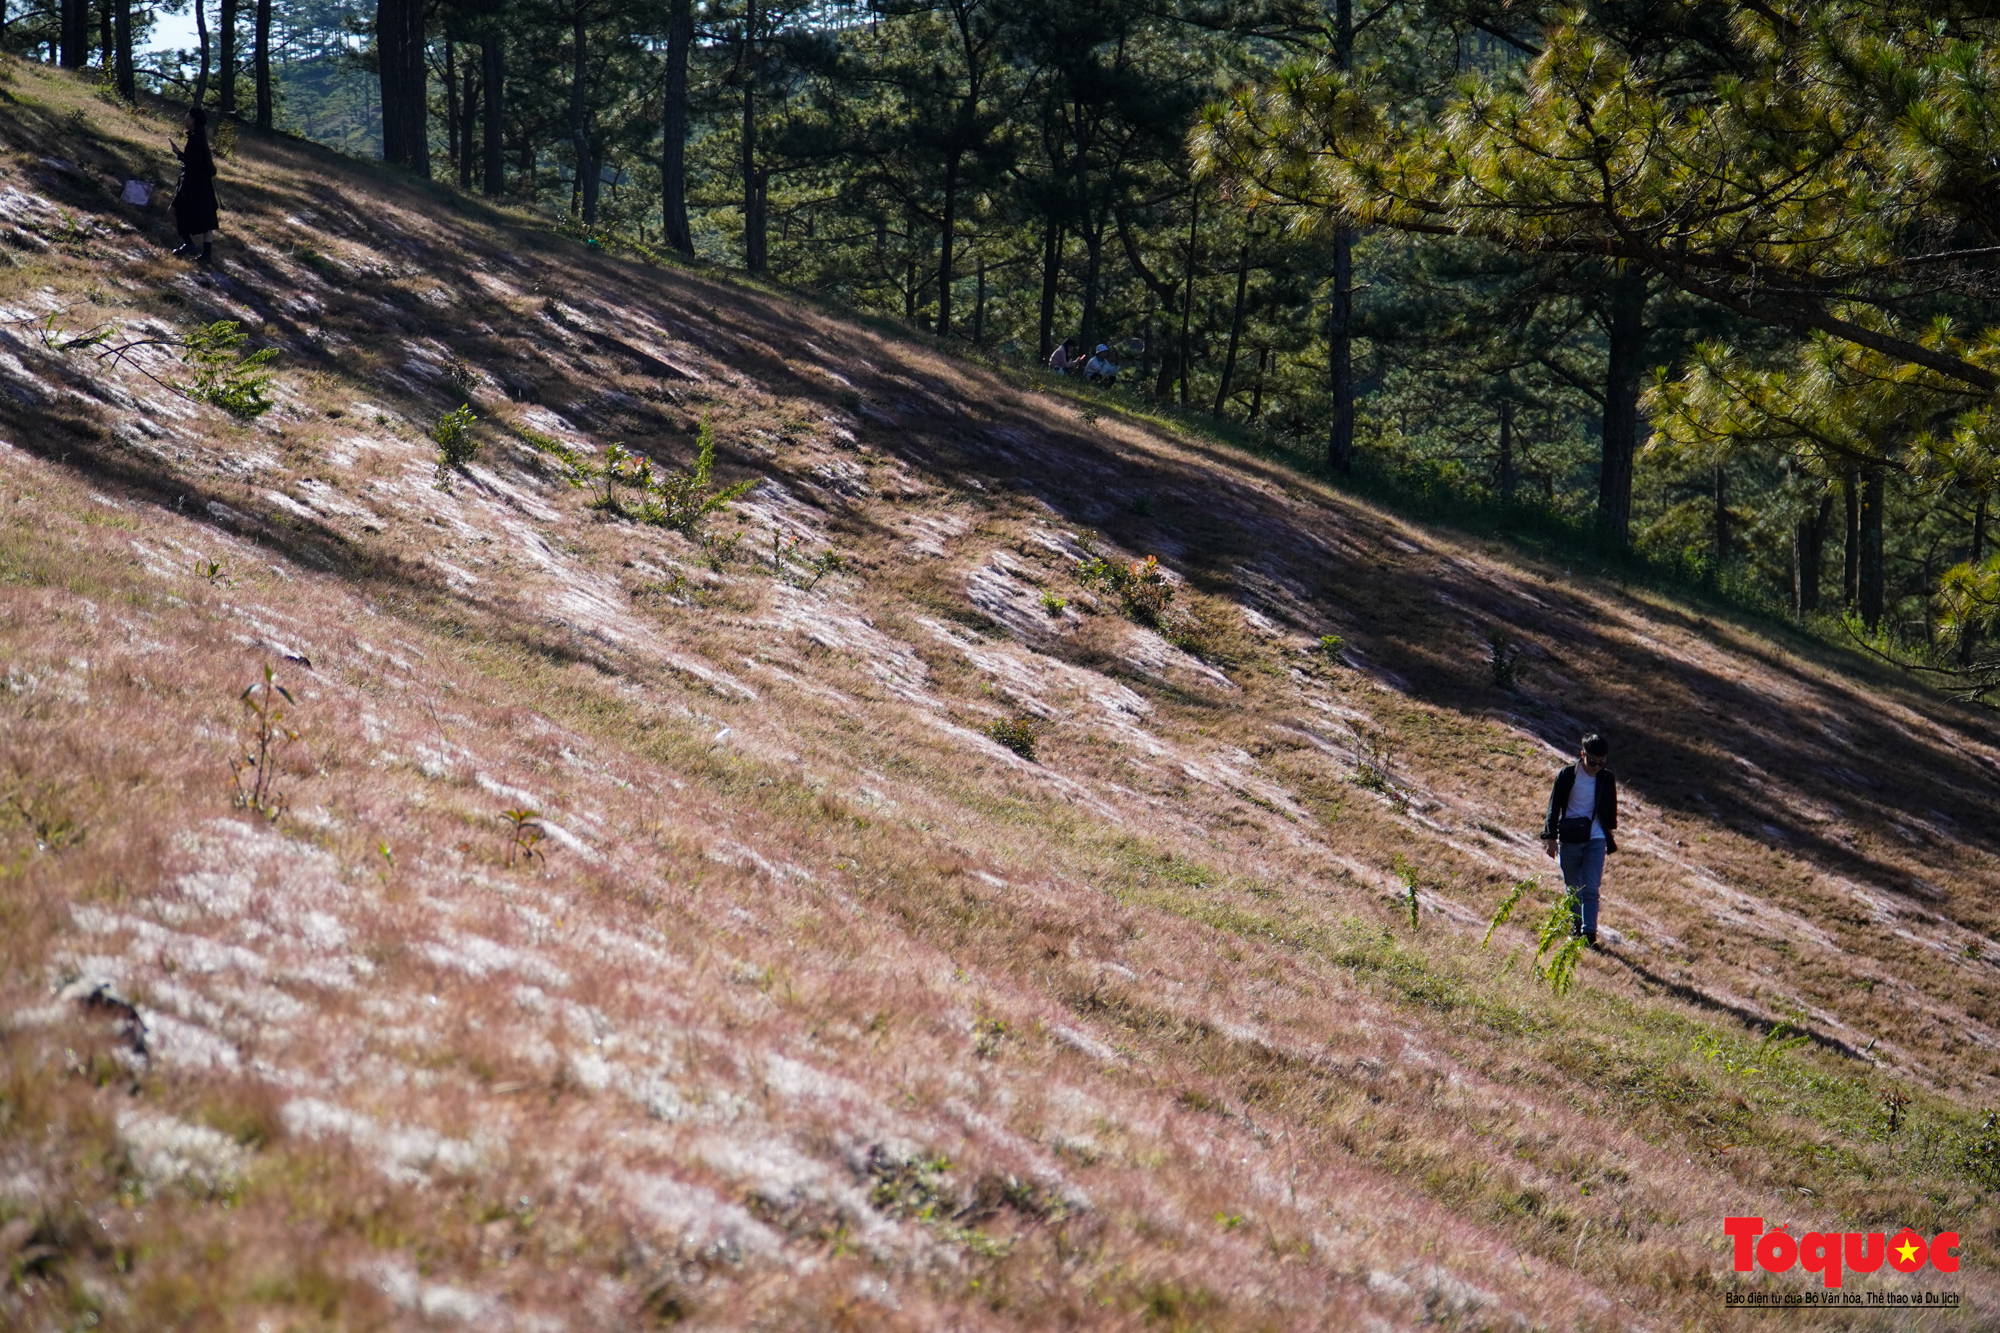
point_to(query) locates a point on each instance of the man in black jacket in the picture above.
(1582, 819)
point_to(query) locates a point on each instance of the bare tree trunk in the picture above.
(673, 143)
(107, 41)
(1507, 477)
(225, 59)
(1257, 390)
(1235, 329)
(261, 58)
(493, 67)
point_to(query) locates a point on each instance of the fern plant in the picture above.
(1555, 937)
(221, 375)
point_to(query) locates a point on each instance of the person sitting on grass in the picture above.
(1100, 369)
(1583, 816)
(1062, 359)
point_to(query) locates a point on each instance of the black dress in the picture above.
(194, 206)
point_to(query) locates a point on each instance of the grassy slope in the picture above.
(823, 1010)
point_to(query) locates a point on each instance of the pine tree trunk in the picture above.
(1968, 636)
(107, 41)
(261, 59)
(1507, 478)
(1187, 302)
(493, 68)
(1257, 392)
(125, 72)
(673, 144)
(1850, 575)
(587, 183)
(1808, 548)
(944, 245)
(754, 251)
(1340, 315)
(225, 59)
(468, 126)
(979, 308)
(1626, 332)
(1872, 571)
(454, 112)
(75, 34)
(399, 44)
(201, 38)
(1235, 329)
(1052, 243)
(1720, 490)
(1093, 271)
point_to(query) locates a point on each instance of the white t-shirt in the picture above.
(1583, 801)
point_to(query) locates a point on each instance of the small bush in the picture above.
(1141, 586)
(1053, 604)
(1407, 872)
(456, 444)
(1016, 734)
(1373, 761)
(683, 500)
(1330, 646)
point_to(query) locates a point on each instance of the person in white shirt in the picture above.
(1100, 369)
(1580, 828)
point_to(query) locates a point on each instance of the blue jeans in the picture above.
(1583, 871)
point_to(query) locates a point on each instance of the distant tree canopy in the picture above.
(1716, 280)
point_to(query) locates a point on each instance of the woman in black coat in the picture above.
(194, 206)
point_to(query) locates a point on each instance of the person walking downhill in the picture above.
(194, 206)
(1582, 819)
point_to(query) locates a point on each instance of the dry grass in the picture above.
(817, 1007)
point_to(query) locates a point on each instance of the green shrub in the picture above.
(1141, 586)
(456, 444)
(683, 500)
(1017, 734)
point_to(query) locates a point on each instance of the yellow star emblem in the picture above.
(1908, 1251)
